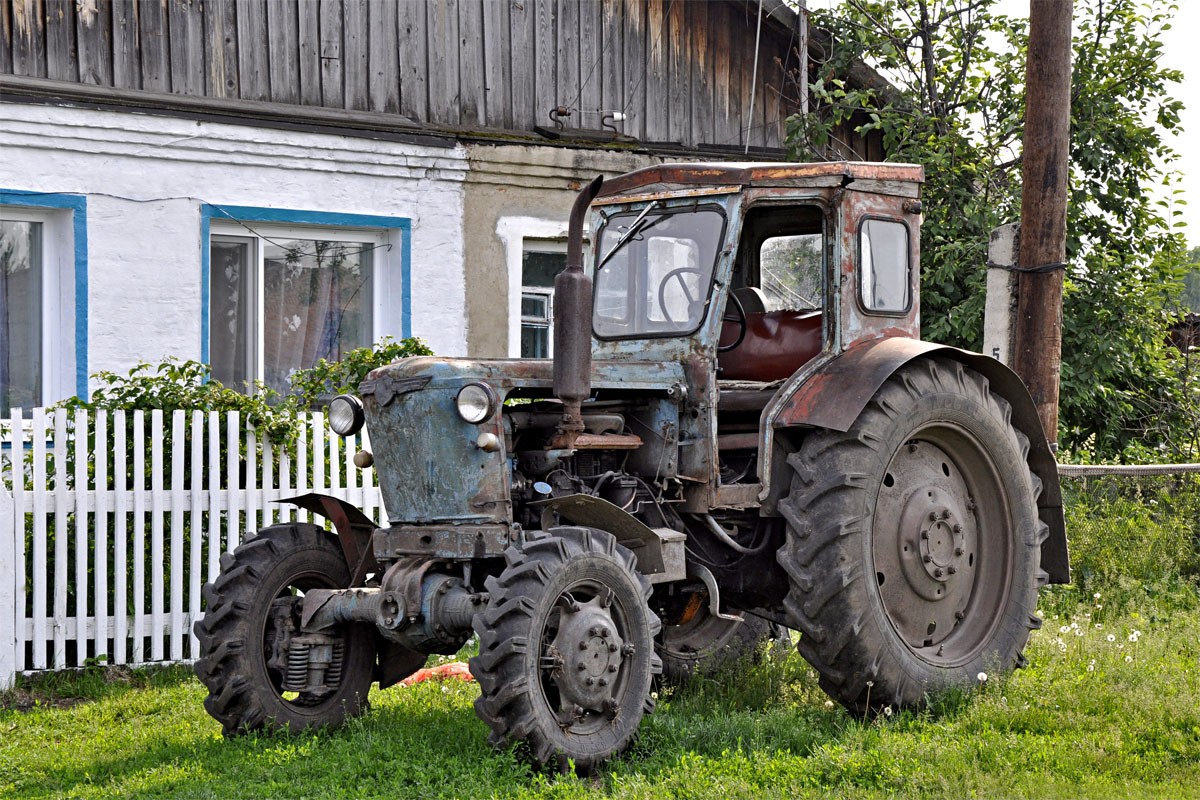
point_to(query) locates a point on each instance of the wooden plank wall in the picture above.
(680, 70)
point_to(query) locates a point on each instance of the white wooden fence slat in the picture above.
(335, 477)
(178, 442)
(100, 602)
(284, 510)
(268, 480)
(251, 481)
(139, 536)
(20, 504)
(59, 658)
(214, 495)
(80, 450)
(121, 506)
(157, 501)
(195, 528)
(233, 524)
(12, 592)
(40, 582)
(302, 465)
(318, 452)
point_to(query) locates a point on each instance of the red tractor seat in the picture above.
(777, 343)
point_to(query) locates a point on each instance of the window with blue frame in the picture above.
(43, 299)
(283, 296)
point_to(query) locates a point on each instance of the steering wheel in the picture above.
(677, 274)
(738, 317)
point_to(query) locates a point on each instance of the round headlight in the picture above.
(346, 415)
(476, 402)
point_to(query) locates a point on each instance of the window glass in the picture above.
(279, 303)
(885, 284)
(317, 304)
(20, 314)
(540, 264)
(791, 271)
(231, 333)
(657, 282)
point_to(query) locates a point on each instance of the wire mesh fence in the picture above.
(1138, 522)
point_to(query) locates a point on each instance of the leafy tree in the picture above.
(1189, 300)
(957, 106)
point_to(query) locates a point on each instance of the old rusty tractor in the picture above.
(739, 427)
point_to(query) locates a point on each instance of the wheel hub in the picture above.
(591, 653)
(928, 533)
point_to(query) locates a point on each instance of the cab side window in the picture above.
(790, 272)
(884, 283)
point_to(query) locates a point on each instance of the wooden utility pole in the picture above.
(1037, 344)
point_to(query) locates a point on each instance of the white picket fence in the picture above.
(110, 522)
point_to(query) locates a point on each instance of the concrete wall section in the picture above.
(514, 192)
(146, 178)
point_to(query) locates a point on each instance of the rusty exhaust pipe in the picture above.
(573, 326)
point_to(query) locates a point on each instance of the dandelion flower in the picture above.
(1133, 637)
(1099, 624)
(1064, 629)
(981, 677)
(887, 711)
(1128, 659)
(1091, 668)
(1096, 596)
(654, 695)
(829, 704)
(1078, 632)
(870, 684)
(1111, 638)
(1120, 646)
(1074, 624)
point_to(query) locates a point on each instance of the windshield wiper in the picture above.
(629, 233)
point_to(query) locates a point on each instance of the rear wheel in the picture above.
(914, 540)
(249, 642)
(566, 648)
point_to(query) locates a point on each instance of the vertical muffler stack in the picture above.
(573, 326)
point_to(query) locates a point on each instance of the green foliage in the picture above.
(958, 108)
(1189, 298)
(327, 378)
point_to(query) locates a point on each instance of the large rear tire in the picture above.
(914, 541)
(243, 622)
(566, 648)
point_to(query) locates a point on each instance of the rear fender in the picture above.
(354, 530)
(837, 391)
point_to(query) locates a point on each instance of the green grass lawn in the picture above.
(1101, 711)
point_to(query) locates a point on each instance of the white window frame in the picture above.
(516, 234)
(532, 245)
(385, 273)
(58, 297)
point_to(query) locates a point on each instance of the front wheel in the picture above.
(914, 541)
(253, 660)
(566, 648)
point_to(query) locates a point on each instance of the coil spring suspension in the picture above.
(314, 665)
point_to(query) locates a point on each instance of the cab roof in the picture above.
(676, 177)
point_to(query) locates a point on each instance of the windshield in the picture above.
(656, 283)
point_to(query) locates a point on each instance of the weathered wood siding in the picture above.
(681, 70)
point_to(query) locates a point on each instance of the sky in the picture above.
(1182, 52)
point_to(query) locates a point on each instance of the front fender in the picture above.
(835, 394)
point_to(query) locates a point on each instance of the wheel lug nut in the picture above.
(603, 681)
(952, 569)
(927, 558)
(933, 516)
(612, 648)
(958, 551)
(595, 631)
(583, 645)
(590, 681)
(924, 534)
(604, 633)
(612, 667)
(937, 573)
(958, 615)
(957, 528)
(628, 649)
(582, 666)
